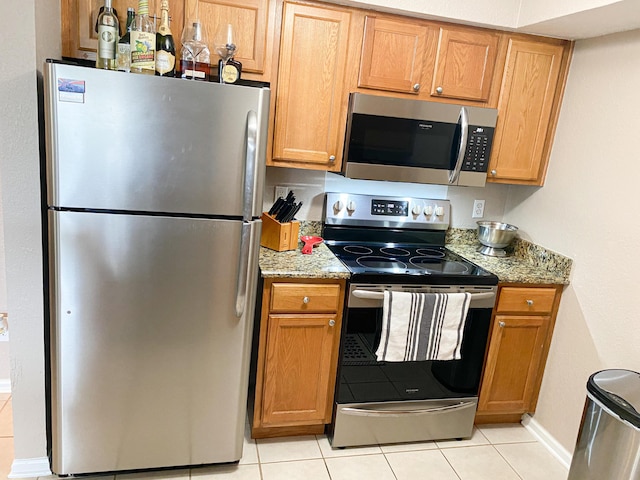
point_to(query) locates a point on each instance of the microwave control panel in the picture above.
(476, 157)
(377, 210)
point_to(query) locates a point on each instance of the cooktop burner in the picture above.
(385, 258)
(396, 239)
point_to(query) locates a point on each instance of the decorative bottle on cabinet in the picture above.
(123, 56)
(108, 28)
(165, 46)
(143, 41)
(195, 55)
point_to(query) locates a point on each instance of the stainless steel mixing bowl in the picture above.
(495, 236)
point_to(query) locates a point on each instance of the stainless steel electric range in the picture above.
(398, 244)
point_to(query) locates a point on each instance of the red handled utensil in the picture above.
(310, 241)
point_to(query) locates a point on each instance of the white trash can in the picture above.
(608, 445)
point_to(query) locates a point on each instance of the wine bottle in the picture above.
(123, 56)
(165, 46)
(143, 41)
(195, 55)
(108, 29)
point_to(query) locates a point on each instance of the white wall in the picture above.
(587, 210)
(32, 30)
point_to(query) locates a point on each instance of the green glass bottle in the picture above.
(165, 46)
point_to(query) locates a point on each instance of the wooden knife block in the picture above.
(279, 236)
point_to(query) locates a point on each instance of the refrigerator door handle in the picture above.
(250, 166)
(247, 208)
(243, 269)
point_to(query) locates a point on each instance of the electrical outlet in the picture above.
(478, 209)
(281, 191)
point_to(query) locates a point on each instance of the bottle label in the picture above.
(165, 62)
(143, 50)
(123, 57)
(107, 37)
(229, 74)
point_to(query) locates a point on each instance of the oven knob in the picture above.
(428, 211)
(416, 210)
(338, 206)
(351, 207)
(439, 211)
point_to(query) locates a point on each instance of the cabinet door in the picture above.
(525, 110)
(464, 64)
(310, 114)
(79, 38)
(513, 363)
(393, 55)
(297, 377)
(252, 22)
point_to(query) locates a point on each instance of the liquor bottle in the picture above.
(195, 54)
(165, 46)
(228, 68)
(143, 41)
(108, 28)
(123, 57)
(229, 71)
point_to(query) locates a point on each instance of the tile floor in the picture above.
(494, 452)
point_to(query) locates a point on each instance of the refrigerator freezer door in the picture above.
(152, 144)
(149, 360)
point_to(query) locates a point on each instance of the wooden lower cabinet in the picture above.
(295, 374)
(521, 333)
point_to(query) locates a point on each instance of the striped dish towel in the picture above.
(422, 326)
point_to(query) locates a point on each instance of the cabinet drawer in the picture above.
(526, 300)
(301, 297)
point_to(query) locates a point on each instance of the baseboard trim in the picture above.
(5, 385)
(30, 468)
(547, 440)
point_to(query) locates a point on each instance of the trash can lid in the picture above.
(619, 391)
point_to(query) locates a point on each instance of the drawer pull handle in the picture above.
(530, 303)
(332, 322)
(305, 300)
(502, 324)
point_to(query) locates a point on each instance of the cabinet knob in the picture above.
(493, 173)
(501, 324)
(416, 87)
(530, 303)
(439, 90)
(305, 300)
(332, 158)
(332, 322)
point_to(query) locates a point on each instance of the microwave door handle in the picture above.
(464, 120)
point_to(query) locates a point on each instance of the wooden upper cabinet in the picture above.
(393, 55)
(527, 109)
(312, 92)
(465, 63)
(252, 22)
(78, 17)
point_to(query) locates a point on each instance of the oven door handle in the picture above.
(370, 412)
(379, 295)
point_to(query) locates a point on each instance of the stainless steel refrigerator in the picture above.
(154, 189)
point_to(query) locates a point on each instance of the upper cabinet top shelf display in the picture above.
(315, 54)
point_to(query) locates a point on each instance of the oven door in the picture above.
(387, 402)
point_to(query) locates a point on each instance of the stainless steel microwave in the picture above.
(417, 141)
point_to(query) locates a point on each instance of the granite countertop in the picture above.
(293, 264)
(525, 262)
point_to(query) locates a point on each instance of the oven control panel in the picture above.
(377, 210)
